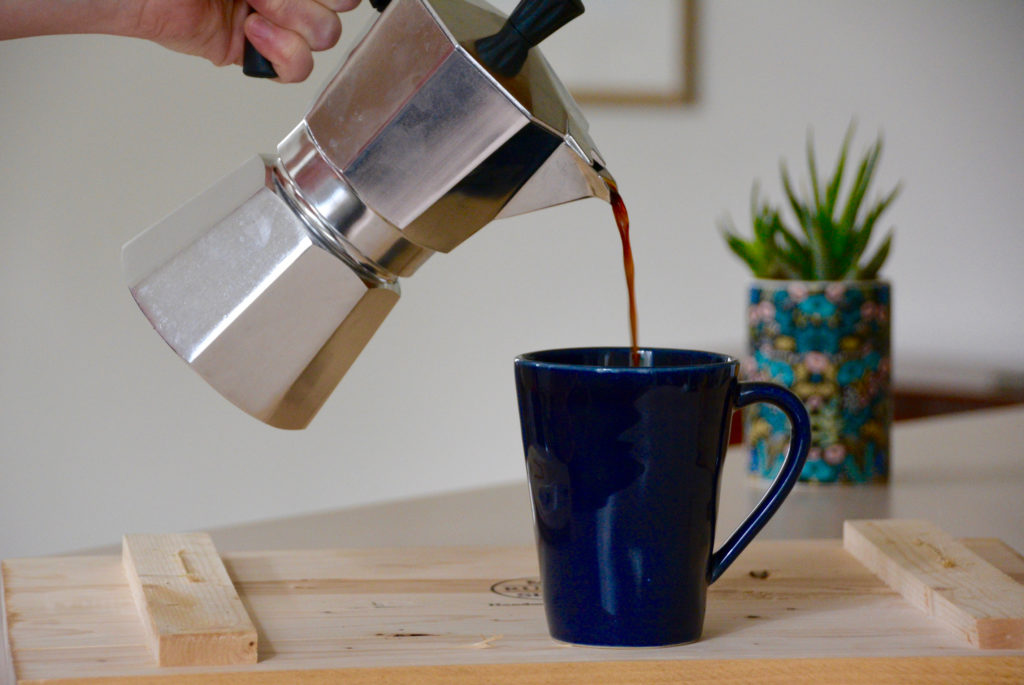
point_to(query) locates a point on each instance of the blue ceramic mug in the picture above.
(624, 466)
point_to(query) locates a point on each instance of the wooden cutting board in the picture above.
(785, 612)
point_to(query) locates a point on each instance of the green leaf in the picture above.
(860, 186)
(832, 192)
(826, 232)
(807, 218)
(802, 213)
(797, 259)
(870, 270)
(841, 231)
(749, 252)
(820, 249)
(764, 230)
(813, 167)
(862, 236)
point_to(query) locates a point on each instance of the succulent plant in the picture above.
(833, 237)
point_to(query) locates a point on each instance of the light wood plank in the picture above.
(7, 674)
(943, 578)
(190, 610)
(999, 554)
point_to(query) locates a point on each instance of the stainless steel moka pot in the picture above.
(441, 119)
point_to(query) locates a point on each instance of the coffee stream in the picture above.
(622, 221)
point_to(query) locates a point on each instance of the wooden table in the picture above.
(432, 615)
(789, 611)
(964, 472)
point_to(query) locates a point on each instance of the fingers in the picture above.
(287, 32)
(286, 50)
(316, 23)
(340, 5)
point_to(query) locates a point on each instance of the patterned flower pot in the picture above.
(829, 342)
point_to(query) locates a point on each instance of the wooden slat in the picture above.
(999, 554)
(7, 674)
(189, 608)
(943, 578)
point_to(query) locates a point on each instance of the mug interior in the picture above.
(618, 358)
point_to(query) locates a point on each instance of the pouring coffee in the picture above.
(443, 118)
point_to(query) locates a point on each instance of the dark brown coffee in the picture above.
(622, 221)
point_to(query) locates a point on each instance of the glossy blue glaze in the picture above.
(624, 466)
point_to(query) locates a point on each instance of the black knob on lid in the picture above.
(530, 22)
(254, 64)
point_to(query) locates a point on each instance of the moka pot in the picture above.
(271, 282)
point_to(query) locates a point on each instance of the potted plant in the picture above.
(819, 321)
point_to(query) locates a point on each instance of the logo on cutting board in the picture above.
(518, 588)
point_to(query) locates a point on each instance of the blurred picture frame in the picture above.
(626, 53)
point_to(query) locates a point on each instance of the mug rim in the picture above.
(715, 359)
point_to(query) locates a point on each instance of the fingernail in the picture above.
(260, 28)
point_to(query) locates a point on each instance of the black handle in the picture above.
(530, 22)
(254, 64)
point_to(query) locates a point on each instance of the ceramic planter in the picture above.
(829, 342)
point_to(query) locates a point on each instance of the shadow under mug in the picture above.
(624, 466)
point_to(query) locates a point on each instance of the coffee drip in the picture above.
(622, 222)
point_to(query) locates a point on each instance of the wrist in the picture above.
(23, 18)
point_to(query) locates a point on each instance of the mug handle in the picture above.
(800, 443)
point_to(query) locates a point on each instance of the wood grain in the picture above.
(943, 578)
(7, 674)
(786, 611)
(844, 671)
(190, 611)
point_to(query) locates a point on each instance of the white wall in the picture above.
(103, 430)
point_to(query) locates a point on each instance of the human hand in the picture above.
(286, 32)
